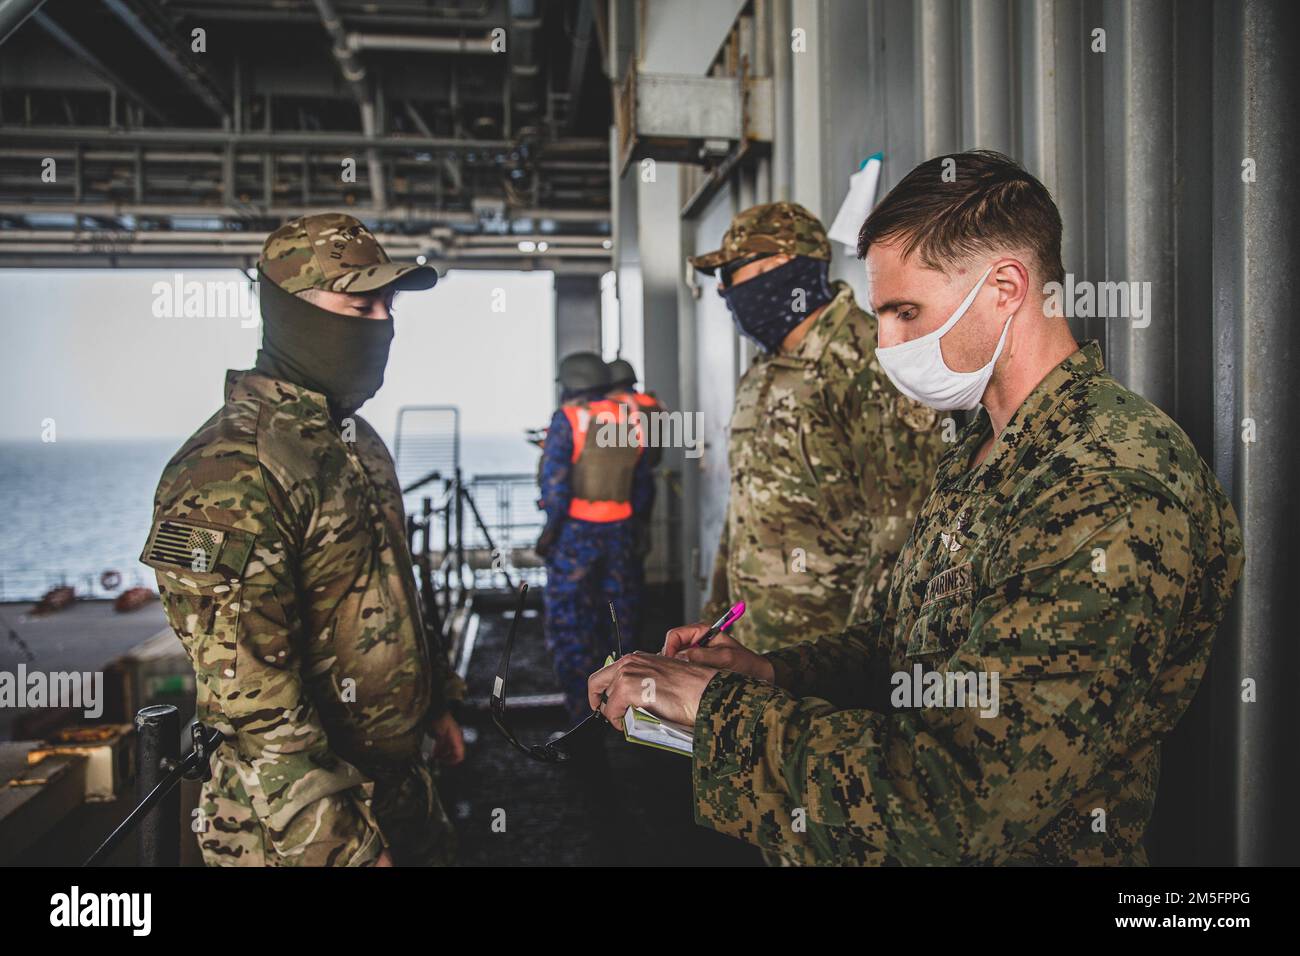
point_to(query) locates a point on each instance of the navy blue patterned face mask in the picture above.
(767, 307)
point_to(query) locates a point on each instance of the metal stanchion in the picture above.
(160, 770)
(159, 727)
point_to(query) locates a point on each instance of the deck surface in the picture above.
(631, 809)
(83, 637)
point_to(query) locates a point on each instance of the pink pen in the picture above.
(722, 623)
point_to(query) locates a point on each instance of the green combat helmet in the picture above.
(621, 373)
(580, 371)
(337, 253)
(774, 228)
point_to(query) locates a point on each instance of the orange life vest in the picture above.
(646, 403)
(602, 474)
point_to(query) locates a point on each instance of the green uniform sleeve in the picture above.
(453, 688)
(1085, 601)
(850, 669)
(448, 688)
(882, 467)
(239, 622)
(883, 451)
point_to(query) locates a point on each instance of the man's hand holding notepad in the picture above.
(642, 727)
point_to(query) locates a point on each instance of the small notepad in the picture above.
(643, 727)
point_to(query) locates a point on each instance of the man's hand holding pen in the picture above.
(670, 684)
(669, 689)
(723, 652)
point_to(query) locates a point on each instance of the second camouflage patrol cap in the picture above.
(337, 253)
(774, 228)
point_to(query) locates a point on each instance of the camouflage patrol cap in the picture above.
(337, 253)
(774, 228)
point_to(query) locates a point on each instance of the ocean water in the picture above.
(74, 509)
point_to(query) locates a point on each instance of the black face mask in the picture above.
(764, 306)
(340, 356)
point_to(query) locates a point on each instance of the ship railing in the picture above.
(471, 534)
(19, 585)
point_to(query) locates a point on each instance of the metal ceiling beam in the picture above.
(158, 154)
(100, 259)
(354, 73)
(96, 65)
(449, 164)
(578, 60)
(128, 244)
(97, 134)
(387, 15)
(192, 76)
(13, 13)
(397, 214)
(553, 240)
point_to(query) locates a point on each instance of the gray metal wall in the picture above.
(1143, 147)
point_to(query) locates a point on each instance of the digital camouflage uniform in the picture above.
(828, 461)
(1087, 561)
(280, 551)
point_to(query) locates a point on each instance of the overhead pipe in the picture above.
(355, 42)
(14, 13)
(354, 73)
(96, 65)
(449, 164)
(578, 59)
(245, 155)
(108, 246)
(190, 75)
(89, 135)
(384, 16)
(99, 259)
(404, 213)
(167, 236)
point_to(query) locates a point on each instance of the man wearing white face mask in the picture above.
(1049, 619)
(919, 370)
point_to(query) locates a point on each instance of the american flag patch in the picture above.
(186, 545)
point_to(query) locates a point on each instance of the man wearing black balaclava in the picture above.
(279, 543)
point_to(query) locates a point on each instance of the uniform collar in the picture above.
(1025, 425)
(822, 331)
(252, 384)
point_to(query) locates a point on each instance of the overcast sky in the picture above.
(83, 347)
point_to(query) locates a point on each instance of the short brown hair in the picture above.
(992, 204)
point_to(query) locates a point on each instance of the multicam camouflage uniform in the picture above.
(1087, 561)
(279, 546)
(828, 461)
